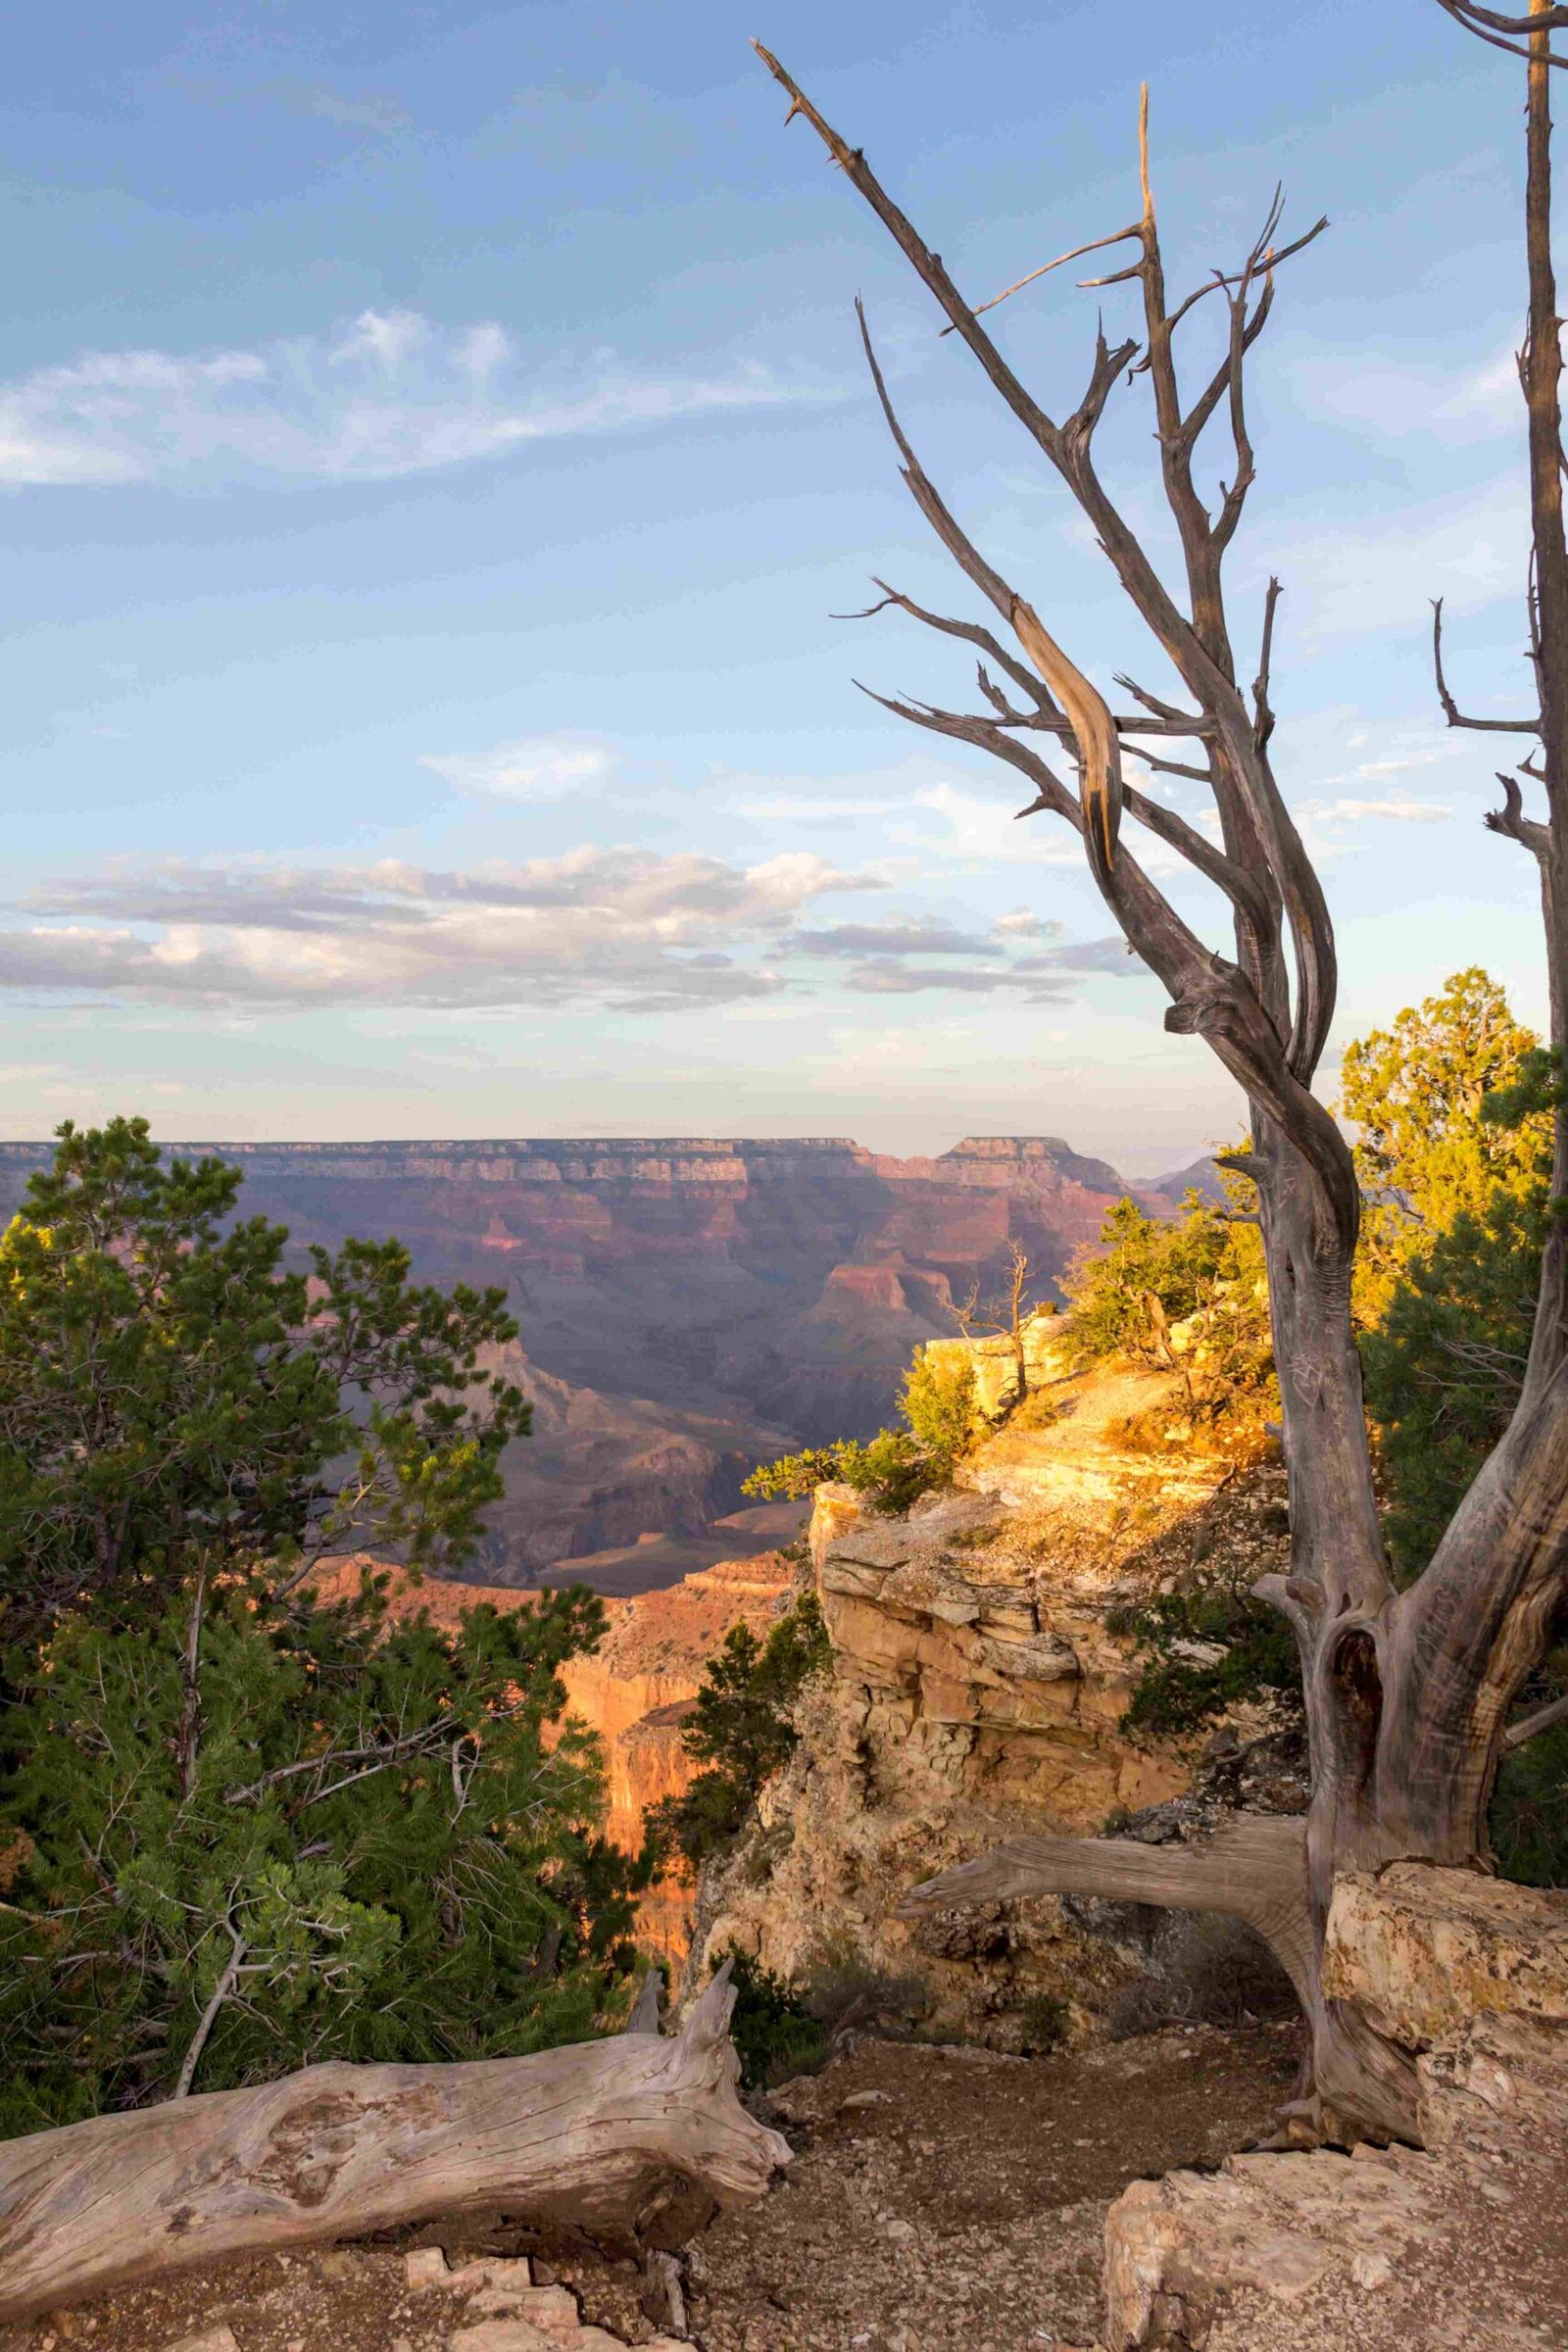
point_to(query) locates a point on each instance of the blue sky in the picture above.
(433, 441)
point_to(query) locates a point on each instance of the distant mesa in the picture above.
(689, 1305)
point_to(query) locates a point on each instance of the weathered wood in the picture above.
(636, 2138)
(1406, 1693)
(1253, 1869)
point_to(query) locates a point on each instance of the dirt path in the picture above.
(940, 2201)
(954, 2200)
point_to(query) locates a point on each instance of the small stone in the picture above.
(865, 2098)
(902, 2233)
(210, 2339)
(552, 2308)
(1371, 2270)
(426, 2266)
(507, 2335)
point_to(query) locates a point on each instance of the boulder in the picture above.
(1180, 2251)
(1422, 1951)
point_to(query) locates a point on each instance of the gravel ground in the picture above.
(940, 2200)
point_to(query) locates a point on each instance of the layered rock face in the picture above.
(635, 1689)
(976, 1694)
(688, 1306)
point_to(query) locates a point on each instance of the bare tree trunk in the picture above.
(1406, 1693)
(636, 2138)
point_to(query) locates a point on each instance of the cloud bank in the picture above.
(625, 929)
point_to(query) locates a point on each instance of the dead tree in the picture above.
(1406, 1692)
(1004, 1316)
(635, 2139)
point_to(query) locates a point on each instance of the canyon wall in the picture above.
(635, 1689)
(688, 1306)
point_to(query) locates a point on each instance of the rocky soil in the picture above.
(940, 2200)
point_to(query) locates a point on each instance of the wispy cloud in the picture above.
(1381, 573)
(393, 393)
(895, 979)
(1111, 956)
(983, 829)
(1357, 812)
(1369, 388)
(922, 938)
(535, 768)
(624, 928)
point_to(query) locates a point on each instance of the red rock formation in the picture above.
(688, 1306)
(634, 1689)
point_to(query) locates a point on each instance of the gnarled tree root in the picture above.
(1253, 1868)
(638, 2137)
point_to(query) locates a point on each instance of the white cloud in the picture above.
(1354, 812)
(925, 936)
(979, 828)
(626, 929)
(531, 769)
(1402, 813)
(393, 393)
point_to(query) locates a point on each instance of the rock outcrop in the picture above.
(635, 1689)
(1455, 2245)
(976, 1692)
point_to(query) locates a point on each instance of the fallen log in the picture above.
(637, 2137)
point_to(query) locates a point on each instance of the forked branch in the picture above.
(1450, 708)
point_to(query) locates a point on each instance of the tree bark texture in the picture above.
(637, 2137)
(1406, 1693)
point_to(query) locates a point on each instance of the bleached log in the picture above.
(639, 2137)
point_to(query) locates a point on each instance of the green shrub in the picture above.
(774, 2033)
(1205, 1647)
(1528, 1819)
(240, 1827)
(740, 1732)
(175, 1401)
(1149, 1273)
(1046, 2023)
(897, 1466)
(842, 1990)
(239, 1845)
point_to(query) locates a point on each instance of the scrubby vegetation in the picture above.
(782, 2029)
(740, 1734)
(937, 1407)
(1186, 1294)
(1454, 1103)
(241, 1829)
(775, 2035)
